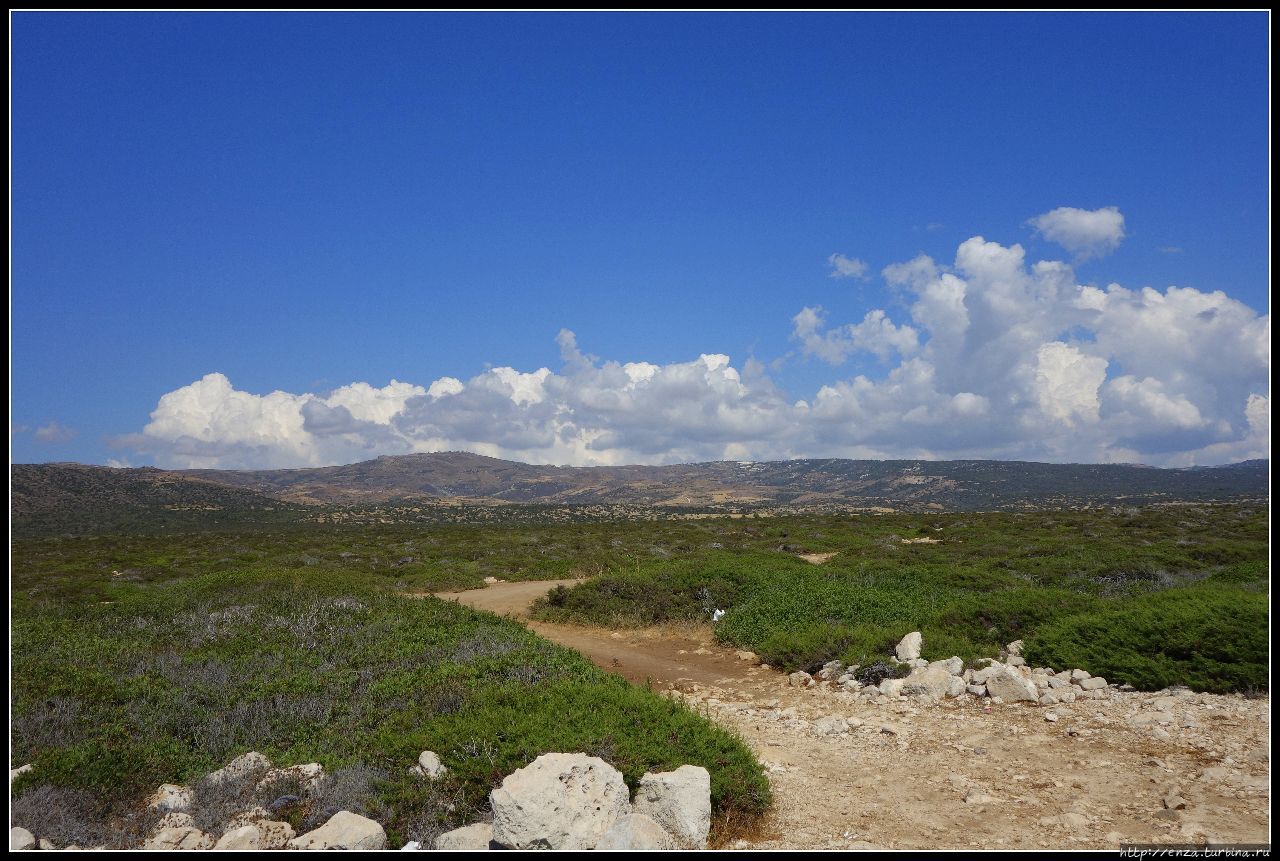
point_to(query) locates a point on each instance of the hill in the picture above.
(961, 484)
(69, 498)
(51, 498)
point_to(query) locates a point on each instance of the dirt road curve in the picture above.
(949, 775)
(667, 658)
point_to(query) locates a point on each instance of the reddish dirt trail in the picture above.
(667, 657)
(908, 775)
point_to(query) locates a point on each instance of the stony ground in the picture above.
(1172, 767)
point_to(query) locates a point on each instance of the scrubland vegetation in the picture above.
(170, 680)
(144, 659)
(1148, 597)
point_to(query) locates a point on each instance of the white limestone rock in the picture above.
(680, 802)
(20, 839)
(173, 839)
(170, 797)
(908, 648)
(1010, 686)
(344, 830)
(558, 801)
(429, 766)
(636, 831)
(469, 837)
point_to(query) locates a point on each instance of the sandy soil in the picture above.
(950, 774)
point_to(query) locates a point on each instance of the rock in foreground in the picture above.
(558, 801)
(680, 802)
(343, 831)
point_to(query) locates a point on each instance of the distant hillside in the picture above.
(54, 498)
(73, 498)
(961, 484)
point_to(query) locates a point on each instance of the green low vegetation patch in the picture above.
(1151, 597)
(1207, 637)
(165, 682)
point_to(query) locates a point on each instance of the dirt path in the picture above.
(667, 657)
(949, 775)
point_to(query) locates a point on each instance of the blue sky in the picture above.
(208, 208)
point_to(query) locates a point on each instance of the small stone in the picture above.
(1070, 819)
(680, 802)
(475, 836)
(20, 839)
(800, 679)
(977, 796)
(1051, 717)
(1173, 801)
(15, 773)
(344, 830)
(908, 648)
(636, 831)
(1010, 686)
(1093, 683)
(429, 766)
(172, 839)
(830, 725)
(244, 837)
(170, 796)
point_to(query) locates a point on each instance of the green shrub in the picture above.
(1208, 639)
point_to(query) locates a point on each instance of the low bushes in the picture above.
(170, 681)
(1155, 598)
(1211, 639)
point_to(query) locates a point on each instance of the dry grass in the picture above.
(731, 826)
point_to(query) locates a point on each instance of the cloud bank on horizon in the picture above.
(997, 358)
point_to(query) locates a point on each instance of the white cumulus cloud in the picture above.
(875, 334)
(847, 267)
(1084, 232)
(1067, 382)
(993, 355)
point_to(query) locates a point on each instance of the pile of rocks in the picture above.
(575, 801)
(255, 827)
(559, 801)
(1010, 680)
